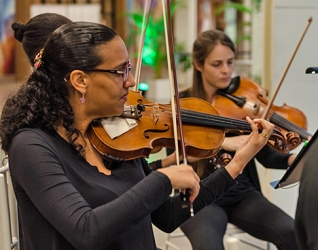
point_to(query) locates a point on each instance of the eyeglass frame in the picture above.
(123, 72)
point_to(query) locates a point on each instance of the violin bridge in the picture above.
(256, 108)
(155, 114)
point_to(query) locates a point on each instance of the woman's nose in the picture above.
(225, 68)
(130, 81)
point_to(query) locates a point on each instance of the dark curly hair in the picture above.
(43, 100)
(36, 31)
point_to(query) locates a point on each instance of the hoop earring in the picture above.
(82, 99)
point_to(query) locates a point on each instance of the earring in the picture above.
(82, 99)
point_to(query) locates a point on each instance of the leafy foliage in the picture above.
(154, 51)
(256, 5)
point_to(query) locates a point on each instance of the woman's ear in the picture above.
(197, 65)
(79, 80)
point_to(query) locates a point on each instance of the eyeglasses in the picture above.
(124, 72)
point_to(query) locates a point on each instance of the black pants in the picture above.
(254, 214)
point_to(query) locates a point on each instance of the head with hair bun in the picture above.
(36, 31)
(18, 31)
(46, 100)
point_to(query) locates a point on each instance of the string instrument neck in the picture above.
(190, 116)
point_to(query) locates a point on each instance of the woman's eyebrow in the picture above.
(121, 65)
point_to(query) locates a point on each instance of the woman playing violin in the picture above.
(244, 205)
(69, 197)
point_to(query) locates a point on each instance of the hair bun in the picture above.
(18, 30)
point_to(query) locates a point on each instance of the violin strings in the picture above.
(284, 123)
(203, 118)
(214, 120)
(200, 118)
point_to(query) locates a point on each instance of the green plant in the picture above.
(238, 6)
(182, 57)
(255, 5)
(154, 50)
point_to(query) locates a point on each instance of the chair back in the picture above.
(9, 229)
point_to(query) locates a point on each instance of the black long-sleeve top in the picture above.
(65, 203)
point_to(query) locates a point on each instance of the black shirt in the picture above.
(65, 203)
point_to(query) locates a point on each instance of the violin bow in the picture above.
(270, 103)
(142, 41)
(175, 107)
(174, 92)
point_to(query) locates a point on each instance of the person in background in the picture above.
(244, 205)
(36, 31)
(69, 195)
(33, 36)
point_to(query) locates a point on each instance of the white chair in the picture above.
(231, 231)
(234, 231)
(8, 212)
(176, 234)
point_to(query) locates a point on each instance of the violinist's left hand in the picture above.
(250, 146)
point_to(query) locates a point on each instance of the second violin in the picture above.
(245, 97)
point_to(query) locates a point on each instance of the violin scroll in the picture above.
(293, 140)
(278, 142)
(220, 160)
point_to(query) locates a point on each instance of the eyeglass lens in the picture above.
(126, 70)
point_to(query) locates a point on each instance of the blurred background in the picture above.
(266, 33)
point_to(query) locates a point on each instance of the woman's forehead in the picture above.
(114, 52)
(220, 51)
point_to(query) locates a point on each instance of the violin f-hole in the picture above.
(146, 133)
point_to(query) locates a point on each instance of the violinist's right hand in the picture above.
(250, 146)
(183, 177)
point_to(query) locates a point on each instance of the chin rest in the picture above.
(234, 84)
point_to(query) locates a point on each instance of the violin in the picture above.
(244, 97)
(203, 128)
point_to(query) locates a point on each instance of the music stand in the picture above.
(293, 173)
